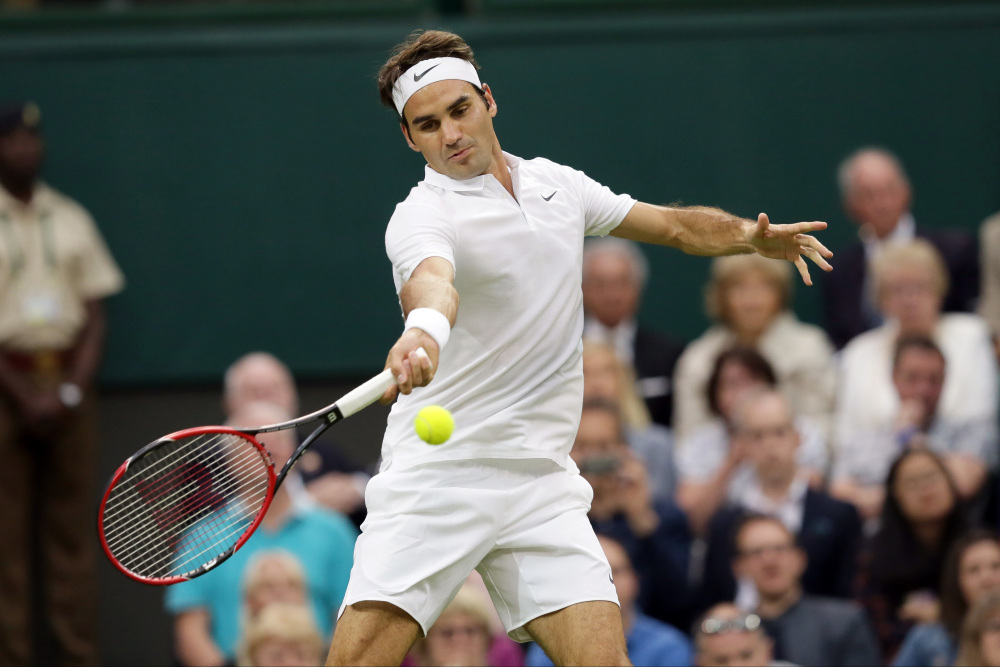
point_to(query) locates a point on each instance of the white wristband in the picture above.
(431, 321)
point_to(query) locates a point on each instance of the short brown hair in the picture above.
(420, 45)
(729, 270)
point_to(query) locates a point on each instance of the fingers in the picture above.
(814, 243)
(412, 369)
(815, 257)
(762, 223)
(804, 227)
(803, 268)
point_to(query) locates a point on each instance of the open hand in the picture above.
(792, 243)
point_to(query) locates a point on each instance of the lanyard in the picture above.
(16, 249)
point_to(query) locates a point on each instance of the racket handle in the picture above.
(372, 390)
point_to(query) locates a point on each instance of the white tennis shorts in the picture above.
(522, 524)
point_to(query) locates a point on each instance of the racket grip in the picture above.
(372, 390)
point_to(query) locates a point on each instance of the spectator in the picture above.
(980, 645)
(713, 462)
(614, 275)
(807, 630)
(605, 376)
(968, 446)
(282, 635)
(911, 281)
(901, 564)
(727, 636)
(989, 300)
(749, 297)
(273, 576)
(650, 643)
(971, 569)
(331, 478)
(207, 609)
(460, 636)
(828, 531)
(654, 532)
(56, 273)
(876, 195)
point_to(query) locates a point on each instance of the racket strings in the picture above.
(185, 503)
(188, 509)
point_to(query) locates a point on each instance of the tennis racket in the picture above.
(185, 503)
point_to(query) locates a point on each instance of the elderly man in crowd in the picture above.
(807, 630)
(876, 195)
(828, 530)
(614, 275)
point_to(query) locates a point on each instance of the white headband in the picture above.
(431, 71)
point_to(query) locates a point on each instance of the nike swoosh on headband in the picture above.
(418, 77)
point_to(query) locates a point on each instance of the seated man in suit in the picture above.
(828, 530)
(806, 629)
(614, 274)
(876, 195)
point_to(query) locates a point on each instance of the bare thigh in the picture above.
(373, 633)
(587, 633)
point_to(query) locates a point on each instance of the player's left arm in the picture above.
(702, 230)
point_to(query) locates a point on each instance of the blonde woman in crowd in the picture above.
(980, 645)
(606, 376)
(282, 635)
(460, 636)
(910, 282)
(749, 297)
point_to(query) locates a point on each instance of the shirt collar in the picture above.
(41, 195)
(474, 184)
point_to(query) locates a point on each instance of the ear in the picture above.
(406, 135)
(489, 99)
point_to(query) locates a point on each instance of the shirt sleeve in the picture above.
(415, 233)
(187, 595)
(98, 275)
(603, 210)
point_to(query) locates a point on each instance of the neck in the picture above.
(498, 168)
(19, 188)
(775, 607)
(279, 510)
(776, 487)
(929, 532)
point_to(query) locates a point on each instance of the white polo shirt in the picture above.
(511, 373)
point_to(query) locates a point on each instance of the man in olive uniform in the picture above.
(54, 271)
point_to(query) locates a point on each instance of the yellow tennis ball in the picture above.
(434, 424)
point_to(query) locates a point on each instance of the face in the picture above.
(262, 379)
(919, 376)
(767, 428)
(735, 380)
(909, 295)
(610, 288)
(979, 570)
(21, 154)
(600, 373)
(626, 580)
(767, 554)
(598, 442)
(878, 196)
(458, 638)
(283, 653)
(275, 584)
(450, 125)
(989, 642)
(751, 302)
(921, 489)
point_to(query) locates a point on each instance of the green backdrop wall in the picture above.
(243, 172)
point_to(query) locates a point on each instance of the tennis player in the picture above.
(502, 495)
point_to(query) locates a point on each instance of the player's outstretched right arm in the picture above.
(430, 305)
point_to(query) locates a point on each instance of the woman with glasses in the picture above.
(901, 564)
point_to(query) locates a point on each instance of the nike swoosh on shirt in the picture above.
(418, 77)
(550, 196)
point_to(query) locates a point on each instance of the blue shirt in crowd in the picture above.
(650, 643)
(926, 645)
(322, 540)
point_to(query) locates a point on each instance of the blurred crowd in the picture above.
(772, 492)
